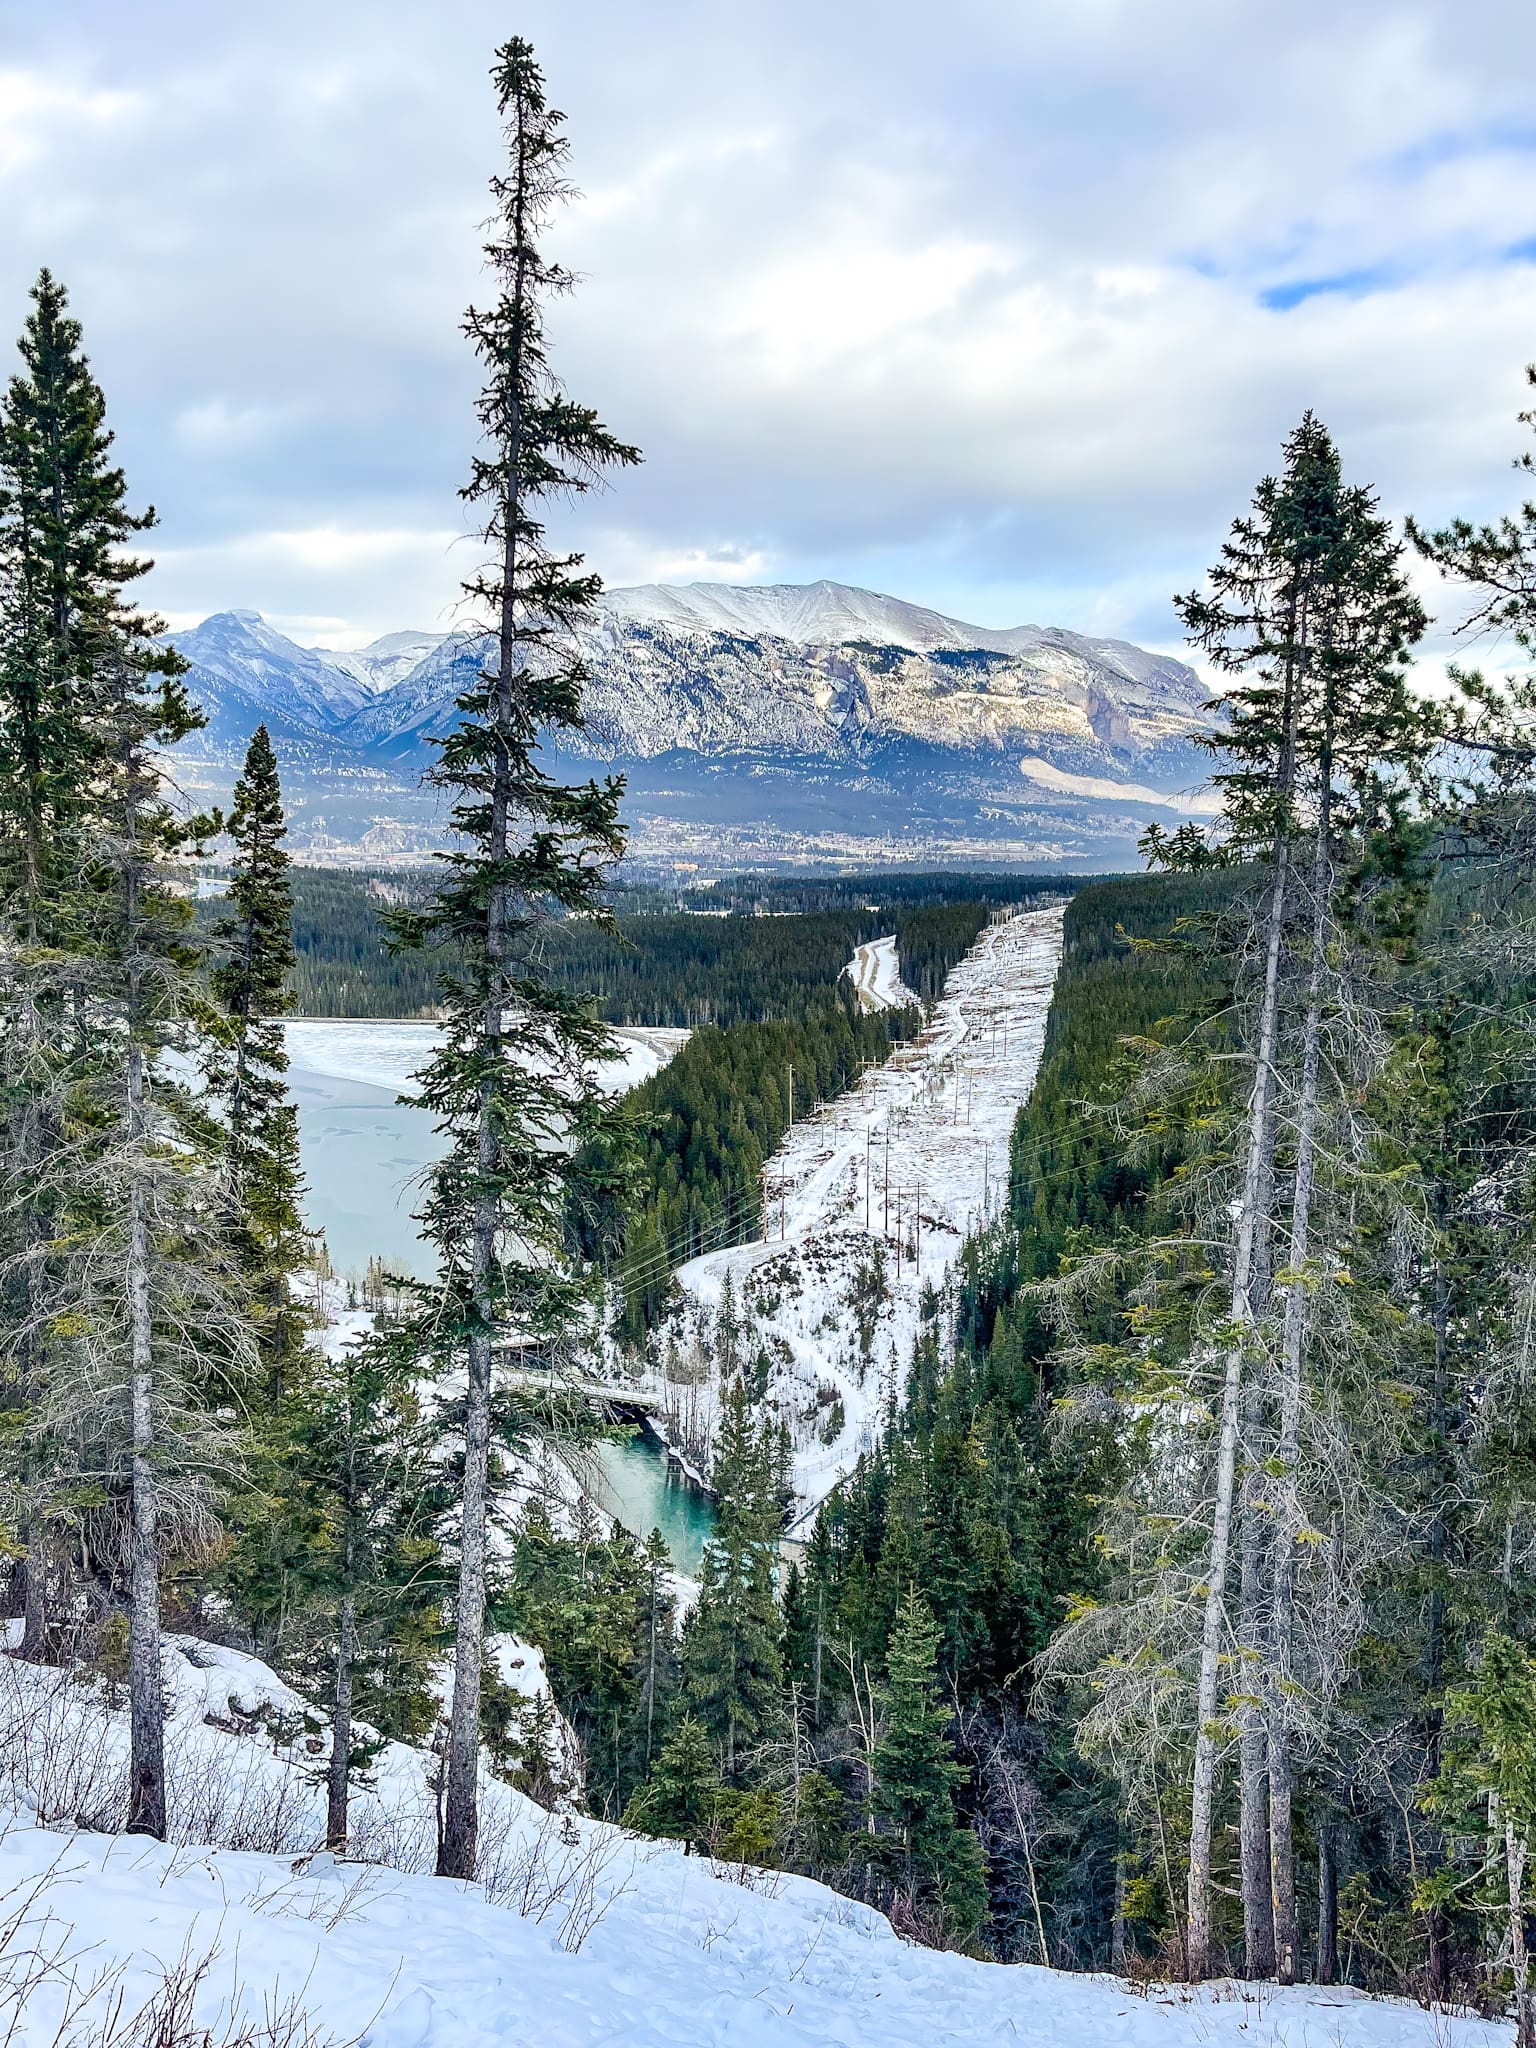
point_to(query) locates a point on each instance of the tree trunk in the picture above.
(1203, 1774)
(461, 1818)
(1515, 1853)
(1437, 1934)
(456, 1850)
(1253, 1845)
(1253, 1757)
(338, 1773)
(1327, 1902)
(38, 1571)
(146, 1695)
(40, 1562)
(1282, 1852)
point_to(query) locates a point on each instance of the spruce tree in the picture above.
(1486, 1790)
(255, 956)
(530, 1140)
(142, 1295)
(915, 1778)
(64, 564)
(112, 1269)
(659, 1626)
(1309, 614)
(367, 1492)
(732, 1662)
(681, 1797)
(63, 567)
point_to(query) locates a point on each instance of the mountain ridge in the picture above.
(720, 701)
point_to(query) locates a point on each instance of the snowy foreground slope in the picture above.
(869, 1202)
(579, 1937)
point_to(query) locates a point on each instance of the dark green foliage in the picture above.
(64, 524)
(680, 1799)
(247, 1064)
(693, 970)
(714, 1114)
(934, 1863)
(604, 1616)
(365, 1493)
(775, 955)
(343, 964)
(732, 1669)
(530, 1141)
(972, 1497)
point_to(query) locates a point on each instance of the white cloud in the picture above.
(39, 112)
(977, 318)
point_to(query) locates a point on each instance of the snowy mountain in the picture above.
(785, 710)
(256, 663)
(834, 613)
(384, 662)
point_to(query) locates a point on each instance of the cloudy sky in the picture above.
(1001, 306)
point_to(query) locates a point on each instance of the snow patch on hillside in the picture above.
(869, 1203)
(875, 971)
(1194, 803)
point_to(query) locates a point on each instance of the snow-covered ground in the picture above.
(577, 1935)
(875, 971)
(1193, 803)
(869, 1202)
(384, 1052)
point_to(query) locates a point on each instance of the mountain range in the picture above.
(776, 723)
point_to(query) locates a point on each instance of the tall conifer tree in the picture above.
(732, 1660)
(529, 1136)
(250, 1059)
(915, 1778)
(64, 620)
(64, 523)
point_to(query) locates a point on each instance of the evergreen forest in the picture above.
(732, 955)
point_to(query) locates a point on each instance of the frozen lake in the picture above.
(364, 1151)
(363, 1154)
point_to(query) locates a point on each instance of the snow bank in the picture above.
(246, 1756)
(577, 1936)
(875, 971)
(386, 1052)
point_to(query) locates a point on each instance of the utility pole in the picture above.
(918, 1246)
(866, 1179)
(886, 1225)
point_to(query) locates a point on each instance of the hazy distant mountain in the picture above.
(382, 663)
(795, 711)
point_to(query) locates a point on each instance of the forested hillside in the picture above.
(712, 1117)
(973, 1495)
(742, 952)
